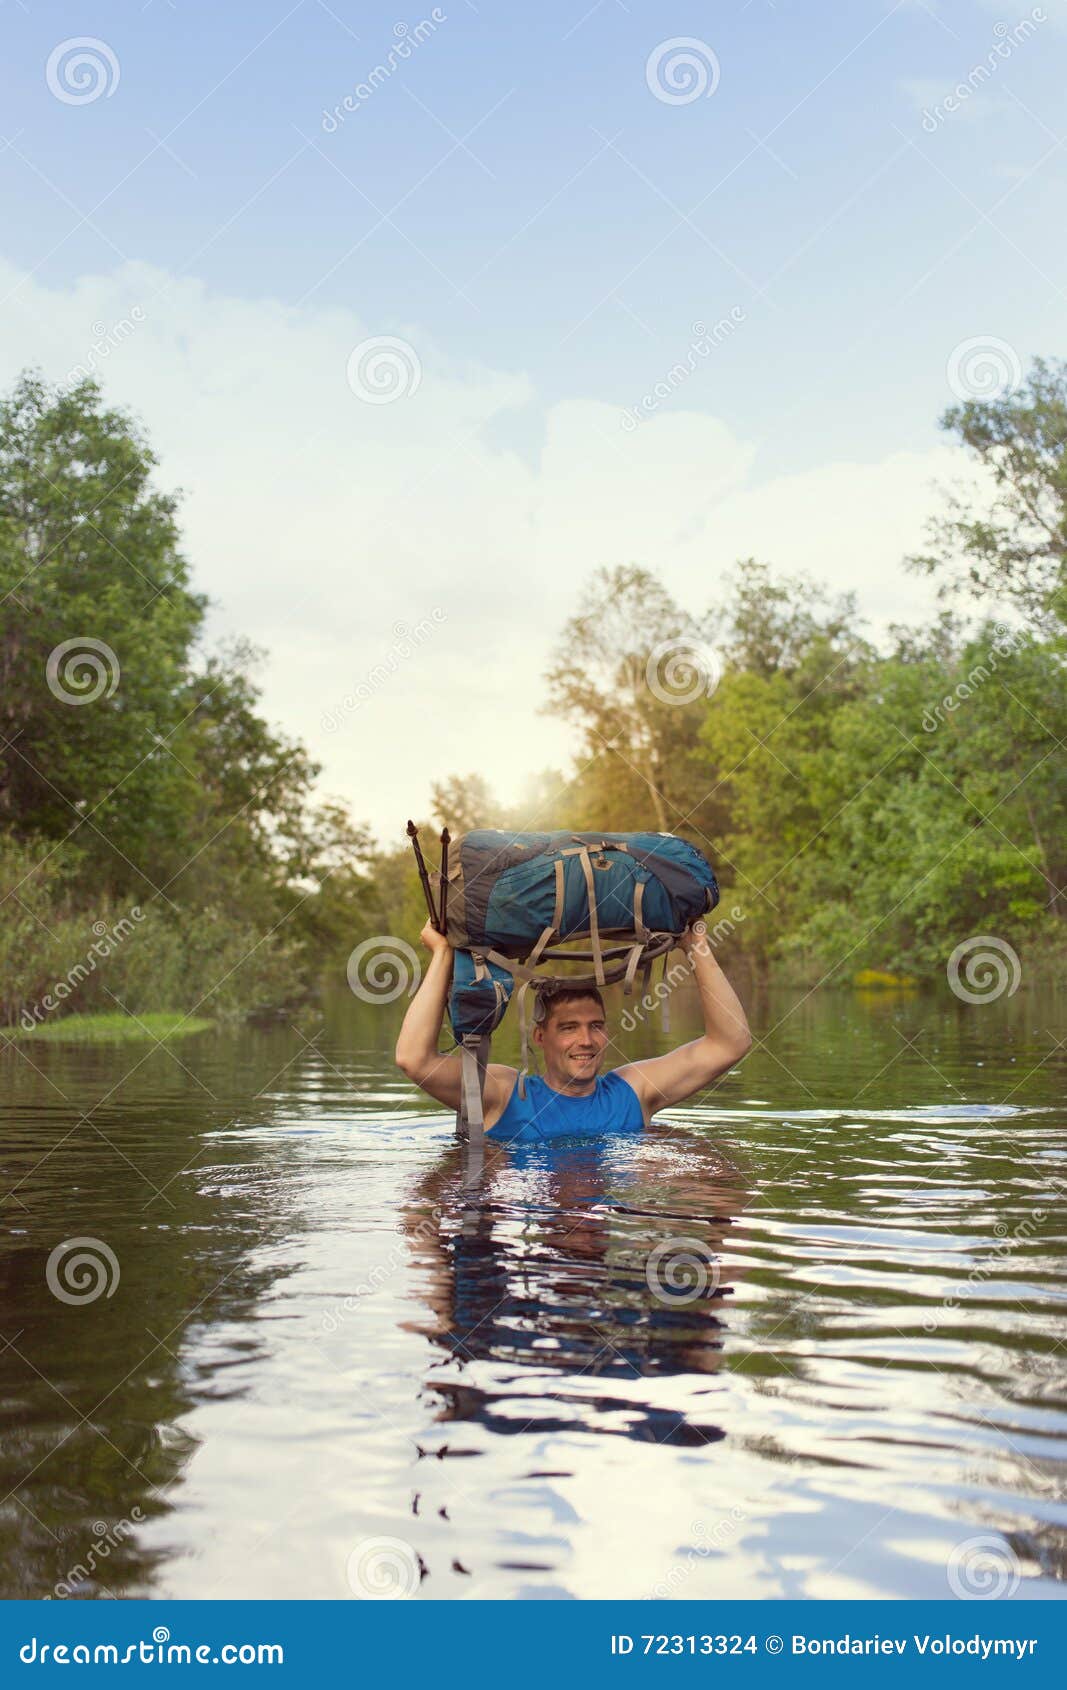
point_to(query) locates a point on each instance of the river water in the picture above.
(806, 1337)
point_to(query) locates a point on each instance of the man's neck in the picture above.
(571, 1088)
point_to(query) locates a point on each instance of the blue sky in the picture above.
(518, 204)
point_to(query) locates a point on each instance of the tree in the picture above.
(789, 625)
(463, 802)
(137, 766)
(96, 621)
(630, 673)
(1017, 549)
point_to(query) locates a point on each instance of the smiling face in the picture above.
(574, 1037)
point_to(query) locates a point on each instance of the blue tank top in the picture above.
(613, 1106)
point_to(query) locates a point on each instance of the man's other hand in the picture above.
(695, 938)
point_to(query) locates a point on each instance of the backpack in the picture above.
(509, 902)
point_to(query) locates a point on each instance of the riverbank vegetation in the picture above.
(868, 804)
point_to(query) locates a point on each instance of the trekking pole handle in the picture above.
(413, 835)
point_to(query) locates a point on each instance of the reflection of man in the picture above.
(550, 1259)
(571, 1029)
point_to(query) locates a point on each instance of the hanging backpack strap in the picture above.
(470, 1122)
(666, 994)
(636, 953)
(640, 939)
(524, 1035)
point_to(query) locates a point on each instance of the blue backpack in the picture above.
(509, 902)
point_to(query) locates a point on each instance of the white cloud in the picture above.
(848, 525)
(318, 522)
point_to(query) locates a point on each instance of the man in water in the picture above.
(570, 1027)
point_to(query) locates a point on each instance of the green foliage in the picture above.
(904, 813)
(464, 802)
(635, 758)
(1016, 547)
(869, 807)
(89, 552)
(63, 950)
(134, 770)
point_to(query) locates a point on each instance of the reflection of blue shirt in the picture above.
(613, 1106)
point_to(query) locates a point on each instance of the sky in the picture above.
(398, 295)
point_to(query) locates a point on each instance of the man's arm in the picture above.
(416, 1046)
(663, 1080)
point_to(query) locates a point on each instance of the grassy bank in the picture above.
(108, 1029)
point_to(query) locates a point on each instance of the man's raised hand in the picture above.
(433, 940)
(695, 940)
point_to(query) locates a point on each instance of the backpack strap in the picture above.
(518, 969)
(473, 1057)
(665, 1004)
(594, 926)
(636, 952)
(552, 931)
(592, 843)
(640, 940)
(524, 1035)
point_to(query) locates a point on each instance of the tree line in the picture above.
(867, 804)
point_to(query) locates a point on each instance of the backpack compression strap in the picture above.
(552, 931)
(594, 925)
(470, 1121)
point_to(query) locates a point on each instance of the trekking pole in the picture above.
(446, 840)
(413, 835)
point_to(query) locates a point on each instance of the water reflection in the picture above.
(558, 1278)
(332, 1329)
(103, 1364)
